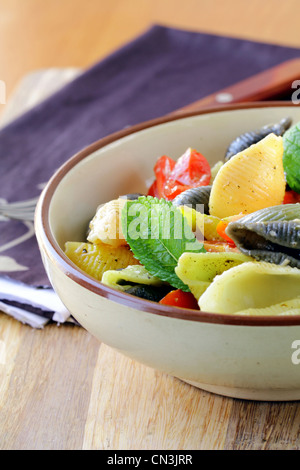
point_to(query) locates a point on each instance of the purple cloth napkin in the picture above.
(160, 71)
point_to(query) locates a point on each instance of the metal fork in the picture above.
(23, 210)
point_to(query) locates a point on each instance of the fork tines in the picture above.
(23, 210)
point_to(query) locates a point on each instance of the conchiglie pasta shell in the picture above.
(210, 228)
(122, 279)
(197, 270)
(288, 308)
(214, 171)
(105, 227)
(201, 224)
(251, 180)
(253, 285)
(96, 259)
(271, 234)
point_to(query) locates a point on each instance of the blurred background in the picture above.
(37, 34)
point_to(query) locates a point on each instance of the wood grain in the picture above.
(59, 387)
(150, 410)
(47, 382)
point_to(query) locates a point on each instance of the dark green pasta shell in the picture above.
(271, 234)
(194, 198)
(154, 293)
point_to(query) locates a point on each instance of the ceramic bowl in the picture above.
(244, 357)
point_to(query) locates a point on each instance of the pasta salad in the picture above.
(221, 239)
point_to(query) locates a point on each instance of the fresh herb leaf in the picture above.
(158, 234)
(291, 157)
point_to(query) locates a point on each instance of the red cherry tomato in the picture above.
(190, 171)
(179, 298)
(291, 197)
(152, 191)
(162, 169)
(172, 178)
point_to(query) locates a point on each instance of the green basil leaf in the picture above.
(291, 157)
(158, 234)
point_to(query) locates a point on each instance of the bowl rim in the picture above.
(83, 279)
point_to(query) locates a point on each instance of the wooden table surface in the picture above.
(59, 387)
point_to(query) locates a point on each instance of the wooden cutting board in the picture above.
(60, 389)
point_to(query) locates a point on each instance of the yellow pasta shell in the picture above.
(96, 259)
(214, 171)
(198, 270)
(122, 279)
(251, 180)
(252, 287)
(201, 223)
(105, 227)
(289, 307)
